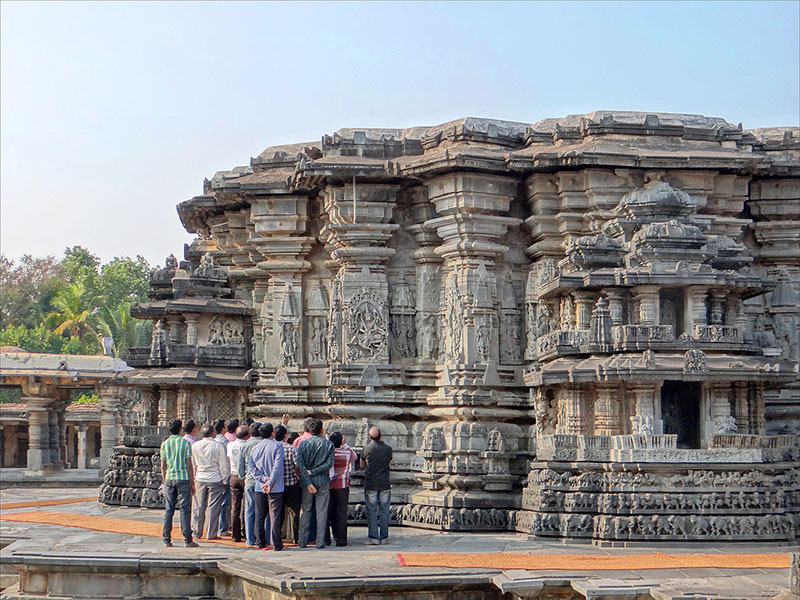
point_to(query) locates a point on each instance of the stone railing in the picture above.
(562, 342)
(638, 334)
(138, 357)
(627, 442)
(726, 334)
(185, 354)
(144, 436)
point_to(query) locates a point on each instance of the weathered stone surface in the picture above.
(606, 289)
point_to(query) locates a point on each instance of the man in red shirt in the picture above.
(343, 458)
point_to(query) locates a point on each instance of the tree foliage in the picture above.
(64, 307)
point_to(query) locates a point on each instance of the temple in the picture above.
(582, 327)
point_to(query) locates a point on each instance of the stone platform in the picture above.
(79, 563)
(62, 478)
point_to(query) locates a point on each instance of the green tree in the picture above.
(126, 330)
(27, 288)
(124, 280)
(36, 339)
(74, 315)
(81, 266)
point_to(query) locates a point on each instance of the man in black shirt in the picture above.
(375, 461)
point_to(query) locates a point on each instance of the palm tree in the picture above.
(72, 314)
(118, 324)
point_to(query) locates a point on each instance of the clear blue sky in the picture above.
(112, 113)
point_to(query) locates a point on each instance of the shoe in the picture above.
(192, 545)
(226, 534)
(216, 537)
(236, 540)
(385, 542)
(322, 547)
(167, 544)
(371, 542)
(251, 546)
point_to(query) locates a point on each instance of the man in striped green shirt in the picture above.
(177, 484)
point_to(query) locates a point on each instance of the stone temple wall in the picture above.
(493, 293)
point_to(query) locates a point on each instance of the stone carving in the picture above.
(694, 361)
(566, 313)
(453, 322)
(404, 336)
(433, 440)
(288, 344)
(159, 345)
(362, 433)
(428, 335)
(209, 269)
(496, 442)
(318, 343)
(725, 424)
(335, 323)
(530, 330)
(546, 413)
(483, 336)
(366, 320)
(225, 331)
(511, 338)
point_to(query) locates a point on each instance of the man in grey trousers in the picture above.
(212, 471)
(315, 459)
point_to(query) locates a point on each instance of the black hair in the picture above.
(219, 425)
(255, 430)
(316, 427)
(232, 425)
(242, 431)
(336, 439)
(280, 433)
(266, 430)
(189, 426)
(248, 421)
(292, 437)
(175, 426)
(208, 431)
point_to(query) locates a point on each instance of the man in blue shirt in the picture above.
(266, 463)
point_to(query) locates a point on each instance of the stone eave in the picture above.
(159, 308)
(661, 366)
(189, 376)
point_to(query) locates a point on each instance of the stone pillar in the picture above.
(696, 308)
(741, 407)
(648, 301)
(82, 447)
(720, 409)
(174, 327)
(607, 409)
(191, 328)
(61, 413)
(616, 305)
(183, 405)
(38, 434)
(648, 409)
(757, 412)
(584, 302)
(167, 405)
(570, 410)
(108, 429)
(717, 300)
(55, 439)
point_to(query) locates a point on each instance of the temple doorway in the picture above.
(680, 409)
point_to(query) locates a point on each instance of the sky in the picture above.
(112, 113)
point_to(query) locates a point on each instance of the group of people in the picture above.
(261, 485)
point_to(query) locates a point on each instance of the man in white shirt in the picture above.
(212, 469)
(237, 481)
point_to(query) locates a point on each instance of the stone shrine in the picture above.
(584, 327)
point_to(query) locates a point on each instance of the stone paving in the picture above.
(358, 561)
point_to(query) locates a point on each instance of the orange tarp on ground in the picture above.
(594, 562)
(32, 503)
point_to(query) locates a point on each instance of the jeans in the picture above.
(250, 516)
(273, 516)
(225, 510)
(337, 515)
(377, 504)
(292, 498)
(321, 500)
(237, 508)
(209, 496)
(177, 492)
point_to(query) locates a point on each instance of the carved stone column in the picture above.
(191, 328)
(607, 409)
(742, 408)
(61, 413)
(717, 301)
(183, 404)
(584, 303)
(696, 309)
(648, 302)
(55, 439)
(757, 416)
(167, 405)
(616, 305)
(82, 447)
(110, 401)
(38, 434)
(570, 410)
(721, 409)
(647, 419)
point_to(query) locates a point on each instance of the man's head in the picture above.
(175, 426)
(190, 427)
(219, 426)
(315, 428)
(233, 424)
(208, 431)
(374, 433)
(280, 433)
(242, 432)
(307, 423)
(248, 421)
(267, 430)
(337, 439)
(292, 437)
(255, 430)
